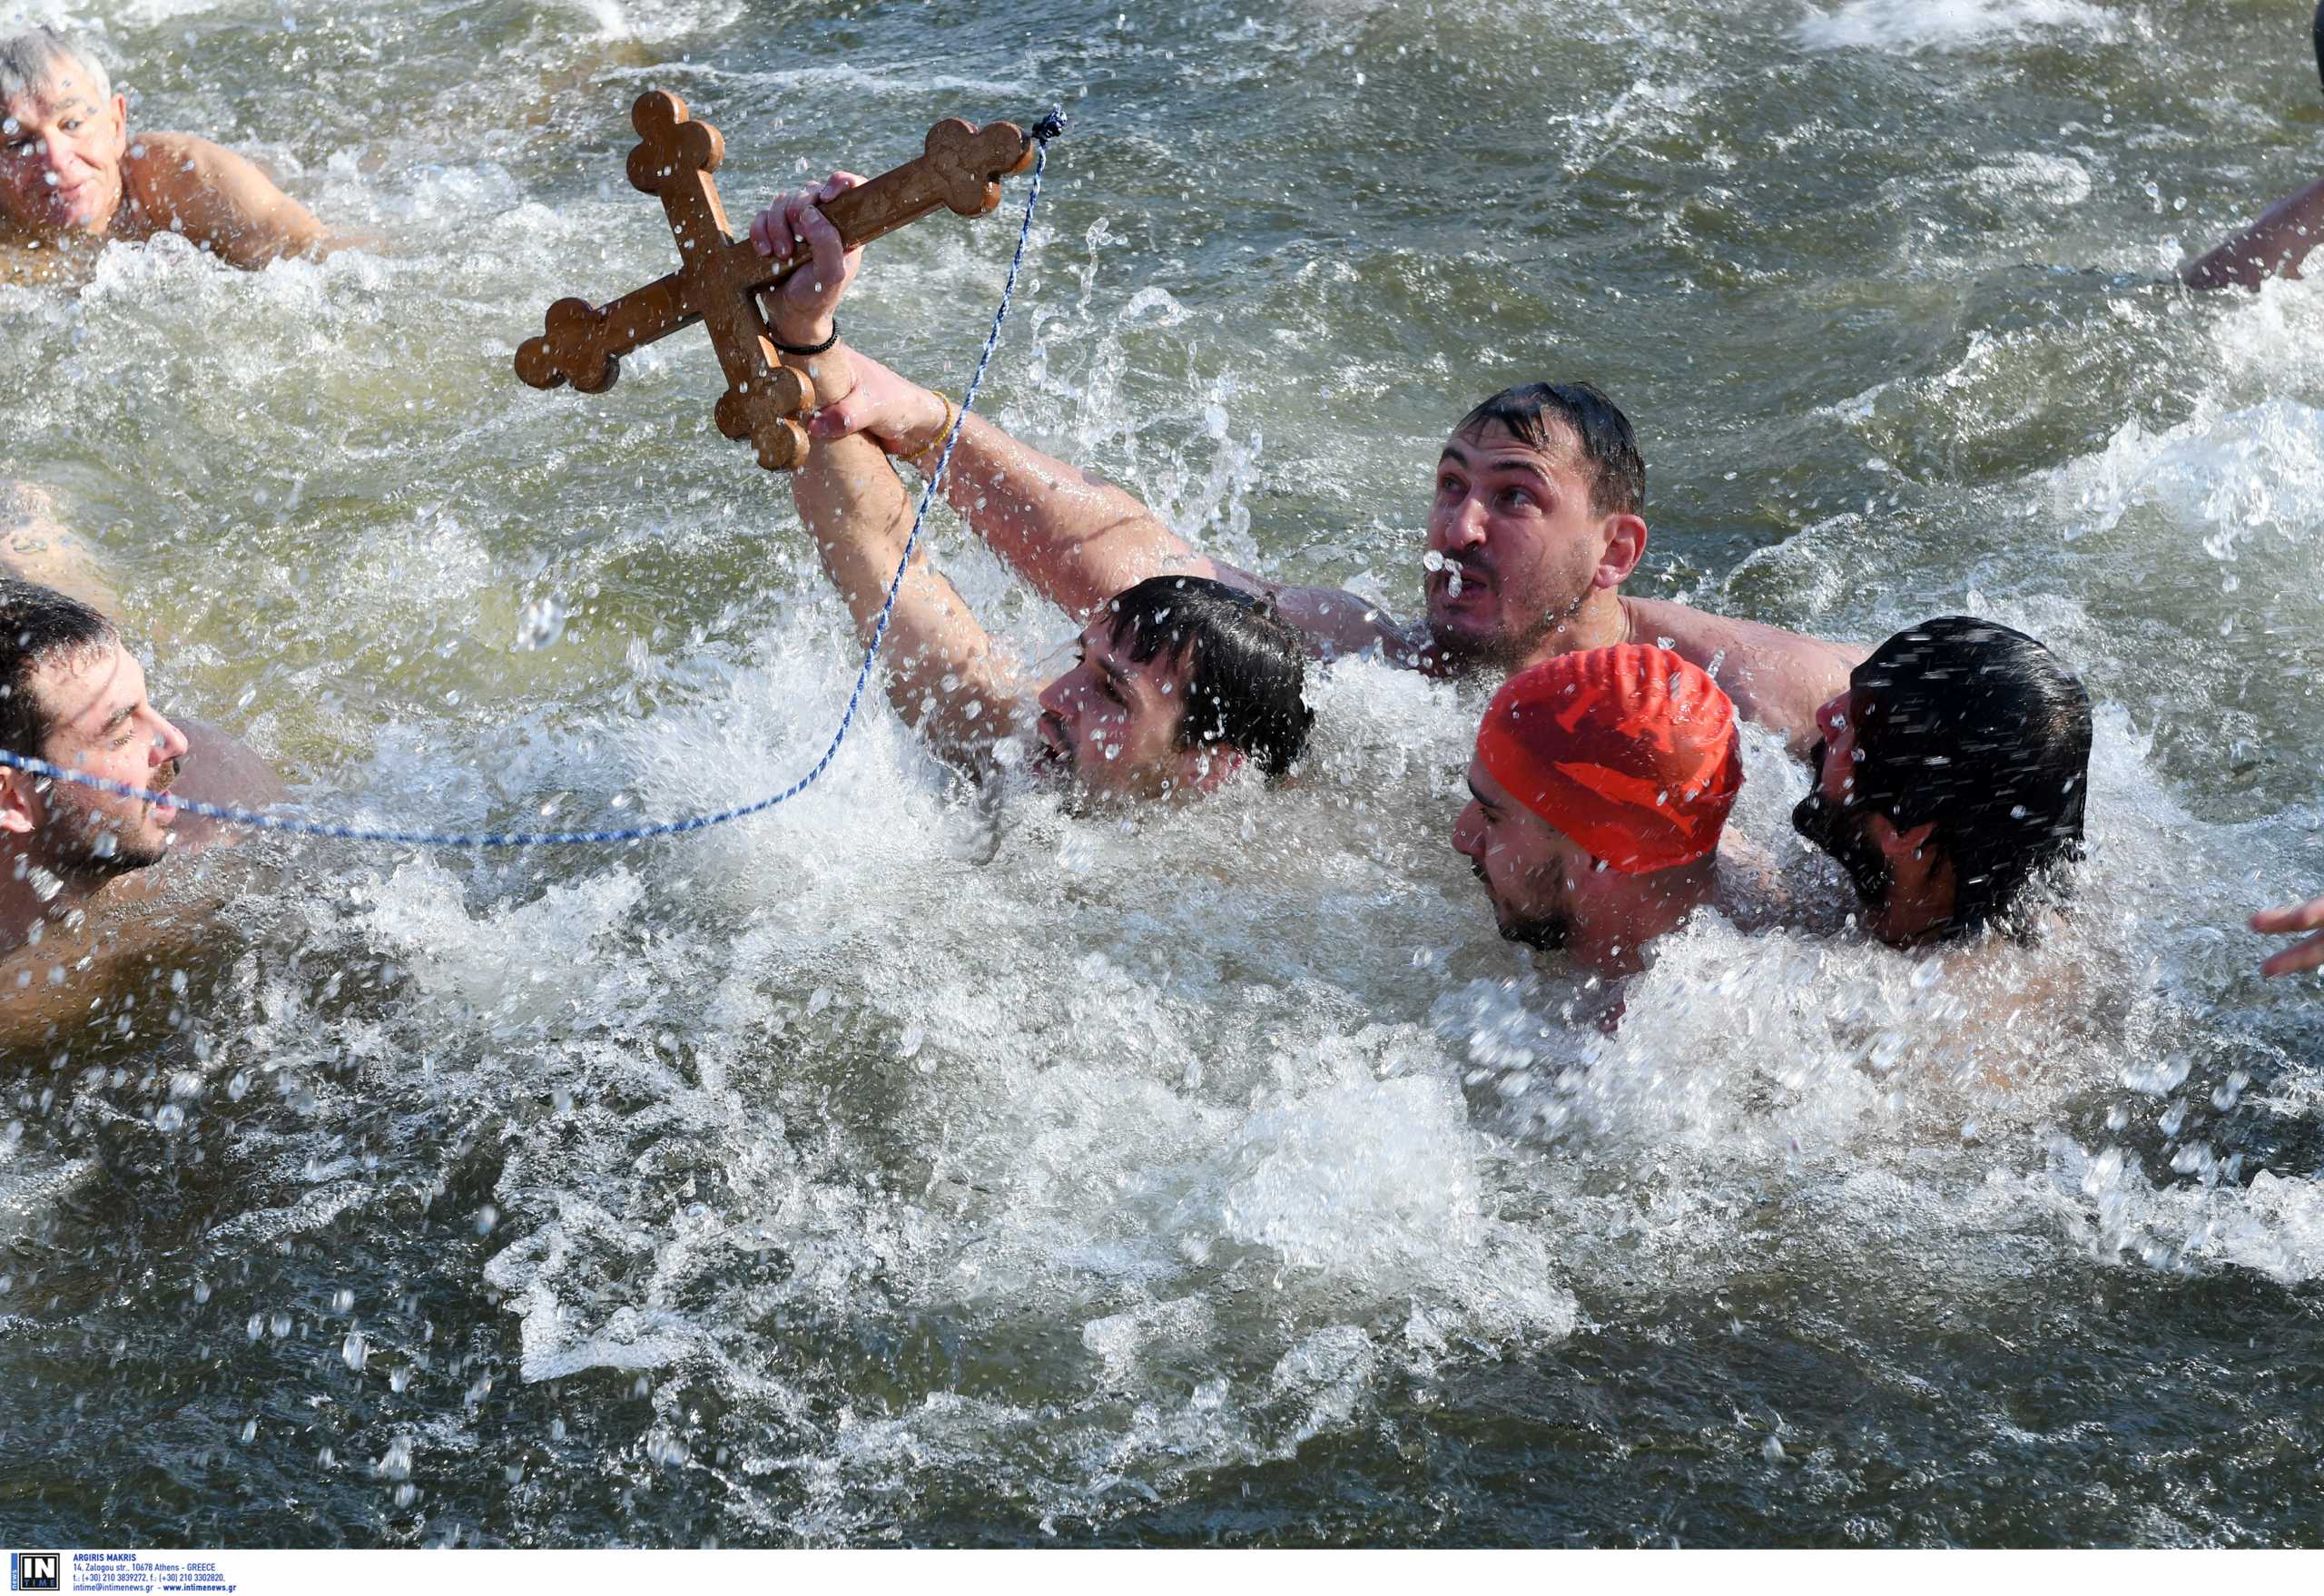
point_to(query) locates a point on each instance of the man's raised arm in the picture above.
(1075, 540)
(941, 677)
(2273, 246)
(224, 202)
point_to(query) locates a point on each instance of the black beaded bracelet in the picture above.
(810, 348)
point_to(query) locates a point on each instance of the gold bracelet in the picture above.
(942, 432)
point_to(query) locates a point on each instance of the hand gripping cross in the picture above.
(721, 278)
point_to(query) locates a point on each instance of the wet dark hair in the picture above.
(36, 625)
(1977, 730)
(1533, 411)
(1245, 686)
(2319, 42)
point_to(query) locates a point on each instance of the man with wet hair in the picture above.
(1951, 781)
(79, 890)
(1177, 682)
(70, 167)
(1599, 792)
(1537, 519)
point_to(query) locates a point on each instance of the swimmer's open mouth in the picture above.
(1457, 582)
(163, 809)
(1053, 749)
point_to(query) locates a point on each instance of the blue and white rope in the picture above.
(1050, 127)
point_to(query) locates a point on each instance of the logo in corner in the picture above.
(35, 1570)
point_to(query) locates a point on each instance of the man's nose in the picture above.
(1468, 836)
(1464, 526)
(168, 743)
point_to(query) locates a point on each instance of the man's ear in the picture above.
(20, 806)
(1895, 844)
(1625, 546)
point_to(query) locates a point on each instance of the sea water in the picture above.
(889, 1168)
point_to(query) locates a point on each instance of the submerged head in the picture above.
(1951, 778)
(1601, 785)
(1540, 501)
(1179, 681)
(63, 135)
(70, 694)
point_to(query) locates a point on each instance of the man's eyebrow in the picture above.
(1525, 463)
(114, 722)
(1116, 674)
(1480, 797)
(1525, 467)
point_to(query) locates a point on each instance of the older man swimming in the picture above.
(71, 168)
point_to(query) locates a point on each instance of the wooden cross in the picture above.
(721, 277)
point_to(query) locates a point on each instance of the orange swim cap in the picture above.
(1630, 751)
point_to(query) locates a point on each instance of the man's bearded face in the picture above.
(101, 724)
(104, 834)
(1513, 546)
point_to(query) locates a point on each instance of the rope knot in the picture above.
(1051, 126)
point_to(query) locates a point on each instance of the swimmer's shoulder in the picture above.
(222, 200)
(223, 769)
(1777, 678)
(160, 174)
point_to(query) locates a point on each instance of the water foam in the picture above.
(1910, 25)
